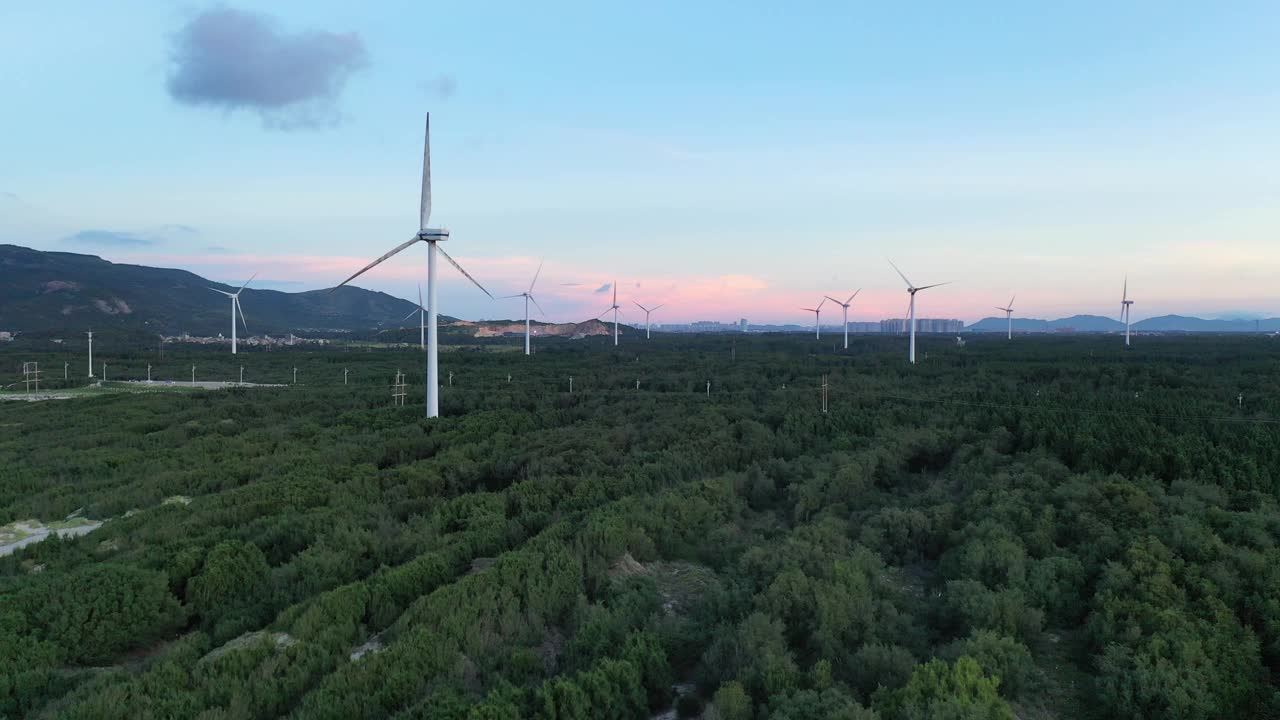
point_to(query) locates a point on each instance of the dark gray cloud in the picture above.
(441, 86)
(604, 288)
(235, 60)
(107, 238)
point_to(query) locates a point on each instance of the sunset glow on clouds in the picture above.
(1047, 157)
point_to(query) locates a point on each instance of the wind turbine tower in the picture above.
(235, 306)
(528, 295)
(846, 305)
(817, 313)
(90, 353)
(615, 308)
(1008, 315)
(422, 320)
(432, 237)
(911, 309)
(1125, 310)
(647, 313)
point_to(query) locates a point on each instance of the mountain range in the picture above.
(1098, 323)
(69, 292)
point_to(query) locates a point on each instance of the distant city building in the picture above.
(742, 324)
(7, 336)
(923, 325)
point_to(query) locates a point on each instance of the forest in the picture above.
(1048, 527)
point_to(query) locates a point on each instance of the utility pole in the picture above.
(148, 372)
(1240, 400)
(637, 383)
(571, 384)
(450, 379)
(193, 376)
(241, 374)
(64, 370)
(824, 394)
(295, 376)
(104, 372)
(397, 389)
(508, 379)
(708, 388)
(344, 376)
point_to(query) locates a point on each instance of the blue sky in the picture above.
(729, 159)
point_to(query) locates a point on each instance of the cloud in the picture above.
(236, 60)
(441, 86)
(570, 284)
(603, 288)
(107, 238)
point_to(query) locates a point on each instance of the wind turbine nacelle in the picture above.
(433, 235)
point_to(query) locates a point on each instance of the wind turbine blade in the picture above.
(464, 272)
(615, 293)
(1015, 297)
(535, 276)
(904, 277)
(242, 320)
(1125, 295)
(851, 297)
(606, 312)
(364, 269)
(926, 287)
(246, 282)
(828, 297)
(641, 306)
(655, 308)
(535, 304)
(411, 314)
(506, 297)
(420, 296)
(820, 304)
(224, 292)
(810, 309)
(424, 209)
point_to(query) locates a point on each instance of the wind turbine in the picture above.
(911, 309)
(845, 305)
(422, 319)
(647, 312)
(1008, 314)
(235, 306)
(432, 237)
(817, 312)
(616, 309)
(1125, 310)
(528, 295)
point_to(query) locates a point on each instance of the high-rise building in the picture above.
(923, 325)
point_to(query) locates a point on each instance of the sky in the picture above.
(725, 159)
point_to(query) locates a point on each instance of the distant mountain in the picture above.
(1097, 323)
(69, 292)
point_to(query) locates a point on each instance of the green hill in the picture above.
(70, 292)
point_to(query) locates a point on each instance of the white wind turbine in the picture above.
(616, 309)
(911, 309)
(647, 313)
(1008, 315)
(1125, 305)
(528, 295)
(846, 305)
(422, 320)
(817, 313)
(235, 307)
(432, 237)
